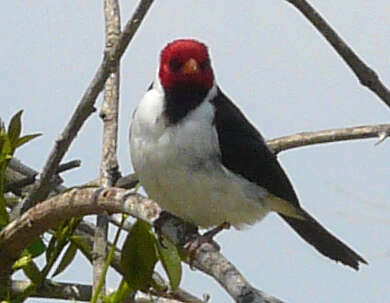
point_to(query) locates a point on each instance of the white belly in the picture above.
(178, 167)
(205, 198)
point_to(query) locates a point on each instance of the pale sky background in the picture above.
(284, 76)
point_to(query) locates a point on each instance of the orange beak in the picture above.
(190, 67)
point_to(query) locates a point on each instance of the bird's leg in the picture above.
(158, 224)
(212, 232)
(185, 231)
(192, 239)
(207, 237)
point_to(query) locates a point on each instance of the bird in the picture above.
(197, 154)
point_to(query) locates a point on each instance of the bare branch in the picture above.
(363, 72)
(68, 166)
(80, 202)
(380, 131)
(210, 261)
(328, 136)
(86, 105)
(79, 292)
(109, 112)
(57, 290)
(109, 164)
(10, 246)
(128, 182)
(86, 231)
(16, 186)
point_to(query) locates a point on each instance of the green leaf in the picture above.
(122, 294)
(24, 139)
(6, 149)
(2, 127)
(32, 272)
(26, 262)
(13, 200)
(5, 293)
(66, 229)
(15, 127)
(50, 248)
(82, 245)
(171, 262)
(21, 262)
(3, 137)
(139, 256)
(5, 156)
(67, 258)
(36, 248)
(4, 217)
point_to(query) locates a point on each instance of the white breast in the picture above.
(179, 167)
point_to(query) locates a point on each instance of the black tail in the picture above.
(327, 244)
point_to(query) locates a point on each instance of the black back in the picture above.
(245, 153)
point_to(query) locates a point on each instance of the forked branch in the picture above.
(363, 72)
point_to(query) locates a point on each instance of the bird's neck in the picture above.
(180, 101)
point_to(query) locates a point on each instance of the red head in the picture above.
(185, 64)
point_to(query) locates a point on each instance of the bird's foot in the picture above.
(158, 224)
(193, 245)
(184, 231)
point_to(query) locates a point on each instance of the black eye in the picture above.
(204, 64)
(174, 65)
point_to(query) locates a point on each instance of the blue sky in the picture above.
(283, 75)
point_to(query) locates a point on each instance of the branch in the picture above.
(86, 105)
(86, 230)
(18, 172)
(363, 72)
(54, 290)
(8, 253)
(380, 131)
(16, 186)
(109, 164)
(68, 166)
(331, 135)
(81, 202)
(77, 292)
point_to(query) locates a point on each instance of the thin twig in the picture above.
(98, 289)
(109, 164)
(329, 136)
(86, 230)
(86, 105)
(68, 166)
(380, 131)
(57, 290)
(16, 186)
(21, 168)
(127, 182)
(116, 220)
(363, 72)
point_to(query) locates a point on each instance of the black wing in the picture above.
(244, 152)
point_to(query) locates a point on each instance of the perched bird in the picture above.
(197, 154)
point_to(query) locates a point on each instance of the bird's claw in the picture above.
(193, 245)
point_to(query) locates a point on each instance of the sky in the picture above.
(282, 74)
